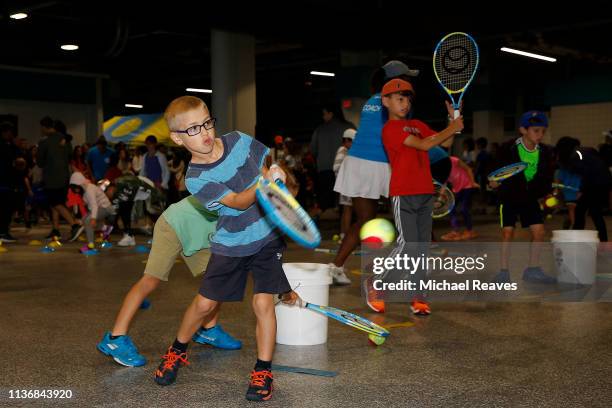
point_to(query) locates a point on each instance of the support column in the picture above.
(233, 81)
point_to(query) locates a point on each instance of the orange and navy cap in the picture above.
(396, 85)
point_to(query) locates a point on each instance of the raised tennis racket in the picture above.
(283, 210)
(455, 62)
(349, 319)
(563, 186)
(444, 200)
(507, 171)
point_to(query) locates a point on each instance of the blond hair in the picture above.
(181, 105)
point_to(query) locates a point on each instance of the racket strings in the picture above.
(288, 215)
(443, 202)
(362, 323)
(456, 61)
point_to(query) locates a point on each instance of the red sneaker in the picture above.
(374, 298)
(420, 307)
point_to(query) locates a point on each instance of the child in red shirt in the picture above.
(406, 142)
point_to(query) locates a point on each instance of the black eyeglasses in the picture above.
(196, 129)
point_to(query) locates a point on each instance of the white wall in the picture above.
(80, 119)
(585, 122)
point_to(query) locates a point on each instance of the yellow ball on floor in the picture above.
(376, 340)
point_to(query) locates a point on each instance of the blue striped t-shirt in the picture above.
(239, 233)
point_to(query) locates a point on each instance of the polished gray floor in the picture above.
(55, 308)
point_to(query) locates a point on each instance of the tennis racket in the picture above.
(507, 171)
(444, 200)
(349, 319)
(283, 210)
(563, 186)
(455, 62)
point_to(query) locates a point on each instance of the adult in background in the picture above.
(155, 166)
(77, 163)
(595, 184)
(326, 140)
(99, 158)
(53, 157)
(178, 168)
(8, 154)
(365, 173)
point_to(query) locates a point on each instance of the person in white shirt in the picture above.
(98, 205)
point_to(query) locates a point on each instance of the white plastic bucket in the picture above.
(297, 326)
(575, 254)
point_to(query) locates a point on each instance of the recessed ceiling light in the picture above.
(18, 16)
(321, 73)
(69, 47)
(199, 90)
(131, 105)
(528, 54)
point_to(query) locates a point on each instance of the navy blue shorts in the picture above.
(529, 213)
(225, 277)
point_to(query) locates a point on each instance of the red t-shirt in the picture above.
(410, 173)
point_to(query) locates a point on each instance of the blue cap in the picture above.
(533, 118)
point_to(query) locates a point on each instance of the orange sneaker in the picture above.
(420, 307)
(374, 298)
(451, 236)
(468, 235)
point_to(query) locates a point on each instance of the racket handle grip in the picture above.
(276, 172)
(456, 114)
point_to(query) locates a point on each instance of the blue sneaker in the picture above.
(217, 337)
(122, 350)
(536, 275)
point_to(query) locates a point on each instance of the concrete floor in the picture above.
(55, 308)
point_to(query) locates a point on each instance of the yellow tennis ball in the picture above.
(376, 340)
(551, 202)
(378, 232)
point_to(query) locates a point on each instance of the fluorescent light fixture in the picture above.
(131, 105)
(528, 54)
(199, 90)
(18, 16)
(321, 73)
(69, 47)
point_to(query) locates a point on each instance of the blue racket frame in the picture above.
(456, 104)
(564, 187)
(521, 166)
(350, 319)
(441, 187)
(274, 218)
